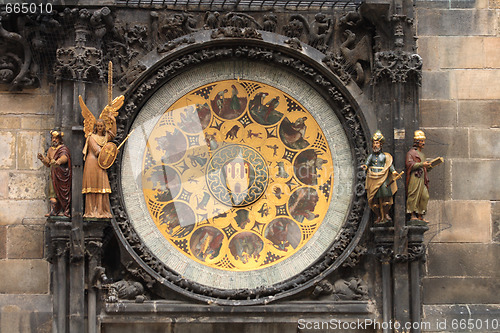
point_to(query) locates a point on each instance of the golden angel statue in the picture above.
(99, 153)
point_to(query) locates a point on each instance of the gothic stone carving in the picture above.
(351, 289)
(398, 66)
(15, 60)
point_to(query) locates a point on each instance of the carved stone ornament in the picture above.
(73, 64)
(351, 289)
(149, 266)
(236, 32)
(125, 290)
(398, 66)
(16, 63)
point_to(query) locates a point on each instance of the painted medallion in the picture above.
(237, 175)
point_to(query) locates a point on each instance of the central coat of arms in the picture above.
(237, 175)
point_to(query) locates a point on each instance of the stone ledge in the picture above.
(290, 308)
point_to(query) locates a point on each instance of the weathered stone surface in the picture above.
(24, 185)
(444, 315)
(30, 143)
(3, 242)
(26, 313)
(461, 52)
(10, 122)
(494, 4)
(440, 181)
(8, 151)
(24, 276)
(469, 221)
(455, 22)
(434, 216)
(22, 211)
(38, 123)
(482, 4)
(25, 242)
(428, 49)
(449, 290)
(446, 142)
(432, 4)
(448, 259)
(463, 4)
(438, 113)
(495, 220)
(476, 180)
(479, 113)
(4, 184)
(26, 104)
(491, 54)
(435, 85)
(485, 143)
(14, 319)
(475, 84)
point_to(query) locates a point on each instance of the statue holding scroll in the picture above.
(417, 181)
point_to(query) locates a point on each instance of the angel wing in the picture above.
(88, 118)
(110, 112)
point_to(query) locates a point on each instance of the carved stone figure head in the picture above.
(419, 139)
(377, 141)
(100, 127)
(56, 138)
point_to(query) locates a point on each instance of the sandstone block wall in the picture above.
(460, 112)
(25, 300)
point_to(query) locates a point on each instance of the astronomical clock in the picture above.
(235, 184)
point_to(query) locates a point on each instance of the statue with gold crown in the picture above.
(99, 154)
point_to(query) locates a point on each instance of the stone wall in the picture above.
(25, 119)
(460, 113)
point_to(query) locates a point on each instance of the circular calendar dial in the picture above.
(237, 175)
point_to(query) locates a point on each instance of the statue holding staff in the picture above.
(380, 179)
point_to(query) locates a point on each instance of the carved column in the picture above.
(384, 244)
(396, 79)
(416, 256)
(78, 71)
(57, 243)
(94, 233)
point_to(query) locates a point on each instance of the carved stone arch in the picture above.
(306, 66)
